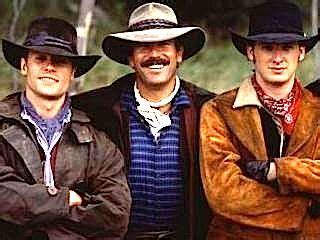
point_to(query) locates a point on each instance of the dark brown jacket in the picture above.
(231, 130)
(103, 105)
(83, 154)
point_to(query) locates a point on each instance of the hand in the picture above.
(262, 171)
(81, 188)
(74, 199)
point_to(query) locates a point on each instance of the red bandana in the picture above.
(286, 110)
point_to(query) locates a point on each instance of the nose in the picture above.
(49, 65)
(154, 50)
(277, 56)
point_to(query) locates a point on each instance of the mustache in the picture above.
(155, 61)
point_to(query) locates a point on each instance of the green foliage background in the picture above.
(218, 67)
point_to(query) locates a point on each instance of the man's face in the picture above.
(275, 63)
(47, 76)
(156, 63)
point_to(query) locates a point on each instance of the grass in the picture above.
(218, 67)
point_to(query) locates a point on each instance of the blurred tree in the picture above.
(53, 5)
(84, 23)
(17, 6)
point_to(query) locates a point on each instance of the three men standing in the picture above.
(60, 178)
(259, 143)
(153, 116)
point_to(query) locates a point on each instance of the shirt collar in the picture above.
(128, 101)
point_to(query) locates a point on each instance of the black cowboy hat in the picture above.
(152, 22)
(53, 36)
(274, 22)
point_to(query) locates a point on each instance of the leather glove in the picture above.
(256, 169)
(82, 189)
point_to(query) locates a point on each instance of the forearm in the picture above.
(298, 175)
(22, 203)
(103, 214)
(106, 202)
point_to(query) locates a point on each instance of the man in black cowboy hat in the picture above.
(259, 143)
(60, 178)
(153, 117)
(314, 87)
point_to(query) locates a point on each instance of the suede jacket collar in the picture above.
(246, 95)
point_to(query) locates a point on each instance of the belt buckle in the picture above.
(155, 235)
(165, 235)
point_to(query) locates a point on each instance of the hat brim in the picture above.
(118, 46)
(14, 52)
(241, 42)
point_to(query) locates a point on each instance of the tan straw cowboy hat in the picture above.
(152, 22)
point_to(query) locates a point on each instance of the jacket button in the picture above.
(52, 190)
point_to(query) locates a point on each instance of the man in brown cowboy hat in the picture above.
(259, 143)
(153, 116)
(60, 178)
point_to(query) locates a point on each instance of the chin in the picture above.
(156, 81)
(52, 96)
(278, 81)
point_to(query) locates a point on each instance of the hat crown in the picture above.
(275, 17)
(152, 11)
(52, 32)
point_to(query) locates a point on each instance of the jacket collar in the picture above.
(246, 95)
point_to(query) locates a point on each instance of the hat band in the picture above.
(43, 39)
(152, 23)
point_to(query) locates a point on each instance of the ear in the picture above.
(180, 54)
(73, 72)
(23, 66)
(131, 62)
(250, 53)
(302, 53)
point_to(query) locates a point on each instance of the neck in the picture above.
(276, 90)
(155, 93)
(45, 107)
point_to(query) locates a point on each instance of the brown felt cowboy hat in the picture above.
(152, 22)
(50, 35)
(274, 22)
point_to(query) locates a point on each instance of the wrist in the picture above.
(272, 172)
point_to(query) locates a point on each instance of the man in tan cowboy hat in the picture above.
(259, 143)
(60, 178)
(153, 116)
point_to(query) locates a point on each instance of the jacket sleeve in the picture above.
(107, 213)
(22, 201)
(229, 192)
(298, 175)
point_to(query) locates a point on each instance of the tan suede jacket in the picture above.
(230, 130)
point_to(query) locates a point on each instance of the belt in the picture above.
(161, 235)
